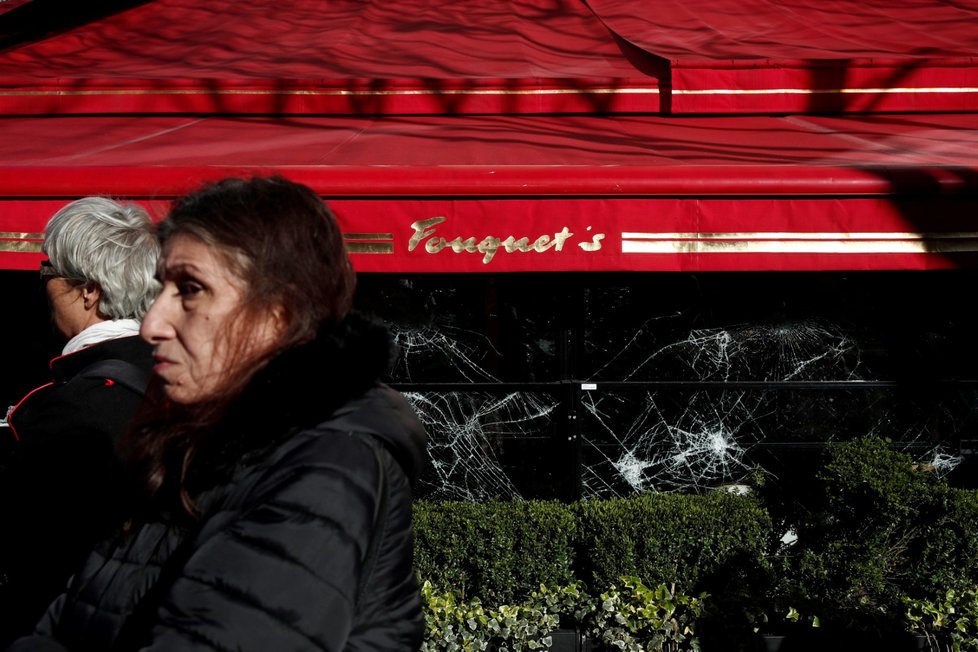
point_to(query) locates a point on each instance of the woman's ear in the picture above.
(268, 329)
(279, 321)
(91, 294)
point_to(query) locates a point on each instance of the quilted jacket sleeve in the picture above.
(63, 490)
(280, 570)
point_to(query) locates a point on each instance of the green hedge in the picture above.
(948, 555)
(671, 538)
(874, 530)
(502, 551)
(715, 544)
(497, 551)
(875, 533)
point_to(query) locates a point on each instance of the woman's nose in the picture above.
(156, 327)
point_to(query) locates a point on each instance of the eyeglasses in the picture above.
(48, 271)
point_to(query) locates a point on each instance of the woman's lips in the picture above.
(161, 364)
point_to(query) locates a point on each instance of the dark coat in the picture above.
(306, 462)
(62, 488)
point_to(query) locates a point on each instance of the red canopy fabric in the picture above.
(807, 55)
(704, 32)
(436, 193)
(746, 148)
(11, 4)
(340, 56)
(502, 56)
(521, 135)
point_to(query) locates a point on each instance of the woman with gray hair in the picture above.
(100, 272)
(63, 484)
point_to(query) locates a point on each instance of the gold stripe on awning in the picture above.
(801, 243)
(19, 242)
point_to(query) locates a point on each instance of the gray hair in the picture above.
(98, 240)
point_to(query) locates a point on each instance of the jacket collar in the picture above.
(65, 367)
(297, 389)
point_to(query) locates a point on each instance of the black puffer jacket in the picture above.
(62, 486)
(289, 554)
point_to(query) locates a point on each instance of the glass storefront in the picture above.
(568, 385)
(578, 385)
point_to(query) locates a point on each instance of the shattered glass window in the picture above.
(577, 385)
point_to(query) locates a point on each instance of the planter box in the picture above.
(561, 640)
(565, 640)
(820, 641)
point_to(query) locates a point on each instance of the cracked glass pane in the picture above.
(694, 444)
(696, 380)
(480, 442)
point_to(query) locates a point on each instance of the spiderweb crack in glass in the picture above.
(942, 463)
(447, 342)
(787, 351)
(465, 428)
(637, 439)
(657, 453)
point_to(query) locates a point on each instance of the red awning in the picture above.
(518, 135)
(807, 55)
(545, 193)
(340, 56)
(500, 56)
(11, 4)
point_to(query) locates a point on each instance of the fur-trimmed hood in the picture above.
(333, 377)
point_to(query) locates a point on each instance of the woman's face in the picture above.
(191, 324)
(68, 305)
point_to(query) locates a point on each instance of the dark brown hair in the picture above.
(284, 243)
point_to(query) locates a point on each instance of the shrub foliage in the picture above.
(499, 551)
(875, 533)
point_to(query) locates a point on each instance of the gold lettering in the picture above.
(489, 247)
(561, 237)
(543, 243)
(421, 232)
(424, 231)
(595, 243)
(512, 244)
(459, 245)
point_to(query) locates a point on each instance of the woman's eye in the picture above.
(188, 288)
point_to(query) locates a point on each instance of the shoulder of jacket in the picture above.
(114, 372)
(324, 442)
